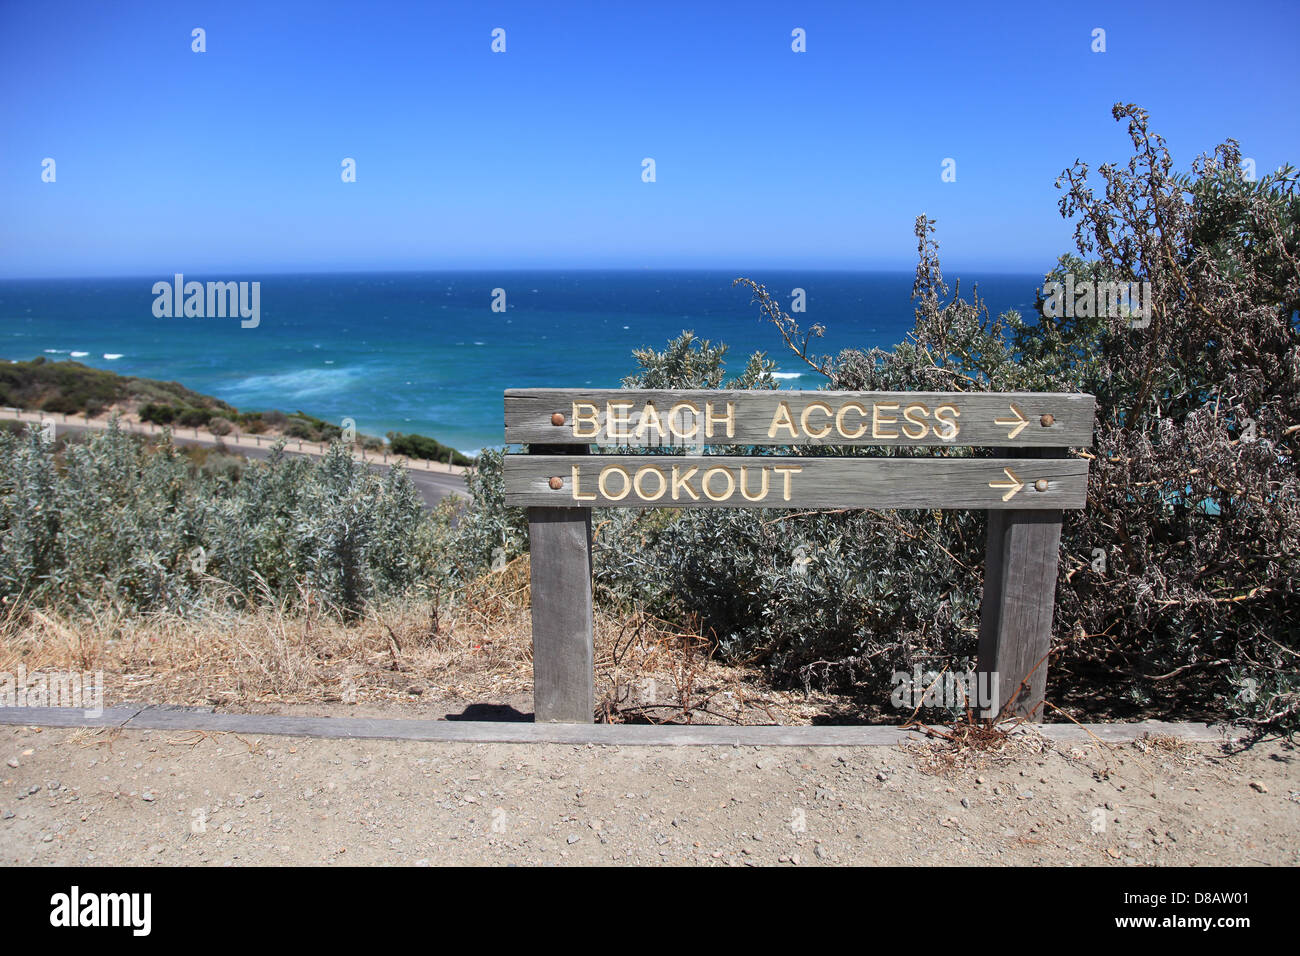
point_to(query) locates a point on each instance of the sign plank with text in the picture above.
(630, 417)
(718, 481)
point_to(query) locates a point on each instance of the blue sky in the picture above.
(174, 161)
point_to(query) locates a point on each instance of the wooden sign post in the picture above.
(1024, 489)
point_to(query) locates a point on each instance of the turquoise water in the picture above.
(424, 352)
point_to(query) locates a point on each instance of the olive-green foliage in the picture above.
(70, 388)
(112, 520)
(157, 414)
(832, 599)
(421, 446)
(486, 533)
(309, 428)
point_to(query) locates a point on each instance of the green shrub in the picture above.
(193, 417)
(420, 446)
(157, 414)
(61, 404)
(297, 428)
(110, 520)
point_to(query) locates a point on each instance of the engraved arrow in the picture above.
(1015, 484)
(1020, 421)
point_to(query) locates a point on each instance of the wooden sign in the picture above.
(717, 481)
(1024, 490)
(632, 417)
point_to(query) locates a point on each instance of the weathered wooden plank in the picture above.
(1020, 567)
(724, 481)
(559, 544)
(560, 587)
(640, 417)
(619, 735)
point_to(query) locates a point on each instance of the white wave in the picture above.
(787, 374)
(57, 351)
(79, 354)
(302, 383)
(112, 355)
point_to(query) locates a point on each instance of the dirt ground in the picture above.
(150, 797)
(140, 797)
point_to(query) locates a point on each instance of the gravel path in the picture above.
(153, 797)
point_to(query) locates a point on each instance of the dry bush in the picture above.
(648, 671)
(970, 745)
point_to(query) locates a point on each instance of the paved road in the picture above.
(433, 486)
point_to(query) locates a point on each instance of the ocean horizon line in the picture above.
(515, 270)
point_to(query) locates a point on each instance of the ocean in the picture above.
(425, 352)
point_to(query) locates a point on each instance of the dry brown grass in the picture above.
(1162, 743)
(267, 655)
(647, 671)
(474, 647)
(971, 745)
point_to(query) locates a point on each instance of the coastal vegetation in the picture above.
(1177, 595)
(423, 447)
(71, 388)
(117, 521)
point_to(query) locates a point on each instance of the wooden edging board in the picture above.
(523, 732)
